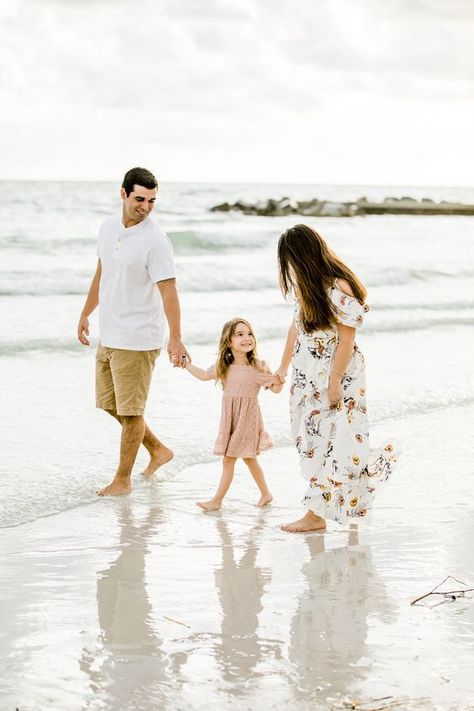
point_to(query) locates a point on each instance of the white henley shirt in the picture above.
(133, 259)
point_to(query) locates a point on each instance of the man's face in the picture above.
(139, 203)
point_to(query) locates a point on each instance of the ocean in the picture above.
(57, 449)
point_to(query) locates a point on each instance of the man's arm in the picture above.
(177, 352)
(91, 303)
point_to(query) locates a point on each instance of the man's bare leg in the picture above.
(133, 431)
(159, 453)
(309, 522)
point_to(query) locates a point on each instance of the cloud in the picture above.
(259, 74)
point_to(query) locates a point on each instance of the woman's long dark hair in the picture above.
(308, 268)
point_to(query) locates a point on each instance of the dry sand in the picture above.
(148, 603)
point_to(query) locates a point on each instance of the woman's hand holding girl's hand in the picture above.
(335, 392)
(280, 375)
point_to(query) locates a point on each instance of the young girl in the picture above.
(241, 431)
(327, 395)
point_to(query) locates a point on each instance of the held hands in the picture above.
(83, 330)
(177, 353)
(280, 375)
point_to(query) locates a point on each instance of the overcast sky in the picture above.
(319, 91)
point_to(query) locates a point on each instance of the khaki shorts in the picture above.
(122, 379)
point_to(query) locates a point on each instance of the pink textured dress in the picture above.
(241, 430)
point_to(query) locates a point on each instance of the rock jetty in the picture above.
(329, 208)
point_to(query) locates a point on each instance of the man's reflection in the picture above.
(131, 668)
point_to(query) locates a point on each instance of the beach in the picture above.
(146, 602)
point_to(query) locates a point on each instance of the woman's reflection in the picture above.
(329, 630)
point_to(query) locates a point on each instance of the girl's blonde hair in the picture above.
(308, 268)
(224, 356)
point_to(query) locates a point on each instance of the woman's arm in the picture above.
(198, 373)
(287, 353)
(342, 356)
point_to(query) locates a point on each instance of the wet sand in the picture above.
(146, 602)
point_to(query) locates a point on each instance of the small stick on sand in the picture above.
(445, 593)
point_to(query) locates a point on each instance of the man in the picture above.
(135, 288)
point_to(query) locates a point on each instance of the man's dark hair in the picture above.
(138, 176)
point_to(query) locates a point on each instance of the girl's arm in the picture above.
(198, 373)
(287, 353)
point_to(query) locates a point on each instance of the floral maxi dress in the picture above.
(342, 472)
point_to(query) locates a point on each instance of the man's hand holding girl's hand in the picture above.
(177, 353)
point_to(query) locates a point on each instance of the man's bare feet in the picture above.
(212, 505)
(160, 456)
(264, 500)
(309, 522)
(116, 488)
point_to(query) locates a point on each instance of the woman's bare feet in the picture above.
(309, 522)
(212, 505)
(160, 456)
(116, 488)
(264, 500)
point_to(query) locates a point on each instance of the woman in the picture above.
(327, 395)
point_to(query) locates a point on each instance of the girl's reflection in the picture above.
(240, 586)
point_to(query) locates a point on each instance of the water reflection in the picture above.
(328, 633)
(130, 669)
(240, 586)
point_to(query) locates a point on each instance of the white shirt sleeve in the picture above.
(159, 259)
(98, 250)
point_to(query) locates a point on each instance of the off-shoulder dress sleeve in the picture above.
(349, 311)
(264, 377)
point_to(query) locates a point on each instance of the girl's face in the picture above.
(243, 340)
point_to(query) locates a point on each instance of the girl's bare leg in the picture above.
(259, 477)
(228, 466)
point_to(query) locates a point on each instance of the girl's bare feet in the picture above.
(264, 500)
(160, 456)
(212, 505)
(309, 522)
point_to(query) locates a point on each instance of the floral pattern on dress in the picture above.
(343, 473)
